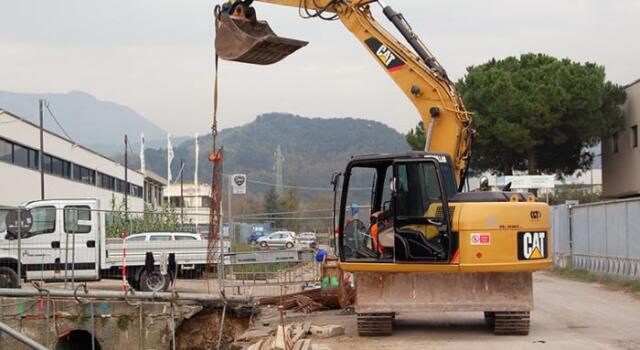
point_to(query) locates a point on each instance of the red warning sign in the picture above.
(480, 239)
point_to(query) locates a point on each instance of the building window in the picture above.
(175, 202)
(33, 159)
(46, 163)
(634, 136)
(87, 176)
(5, 151)
(616, 137)
(20, 156)
(56, 166)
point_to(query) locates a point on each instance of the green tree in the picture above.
(271, 201)
(290, 203)
(538, 113)
(152, 220)
(416, 137)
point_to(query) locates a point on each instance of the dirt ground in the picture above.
(568, 315)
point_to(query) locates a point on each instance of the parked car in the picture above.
(253, 237)
(278, 239)
(308, 238)
(163, 236)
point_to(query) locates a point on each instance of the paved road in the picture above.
(568, 315)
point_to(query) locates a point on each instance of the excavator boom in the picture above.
(242, 37)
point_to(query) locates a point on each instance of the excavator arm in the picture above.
(417, 73)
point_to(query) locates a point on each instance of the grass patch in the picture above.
(243, 247)
(590, 277)
(123, 322)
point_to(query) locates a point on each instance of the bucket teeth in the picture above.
(253, 42)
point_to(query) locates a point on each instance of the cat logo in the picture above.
(532, 245)
(535, 215)
(386, 56)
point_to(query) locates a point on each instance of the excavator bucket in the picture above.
(254, 42)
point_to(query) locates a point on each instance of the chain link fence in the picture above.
(602, 237)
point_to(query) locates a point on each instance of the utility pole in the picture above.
(41, 152)
(126, 177)
(182, 193)
(279, 160)
(229, 194)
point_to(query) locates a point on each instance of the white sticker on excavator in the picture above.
(440, 159)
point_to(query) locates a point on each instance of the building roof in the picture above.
(5, 112)
(148, 174)
(632, 83)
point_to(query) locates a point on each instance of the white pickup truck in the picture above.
(66, 240)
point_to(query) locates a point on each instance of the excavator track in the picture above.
(508, 322)
(375, 324)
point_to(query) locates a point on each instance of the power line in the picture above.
(283, 213)
(46, 105)
(308, 188)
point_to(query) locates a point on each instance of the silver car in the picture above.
(285, 239)
(308, 238)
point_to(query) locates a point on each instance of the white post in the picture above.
(195, 181)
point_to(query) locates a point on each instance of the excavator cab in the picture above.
(394, 209)
(241, 37)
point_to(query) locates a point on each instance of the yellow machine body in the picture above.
(487, 235)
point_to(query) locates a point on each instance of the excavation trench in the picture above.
(201, 331)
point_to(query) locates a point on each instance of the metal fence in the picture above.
(602, 237)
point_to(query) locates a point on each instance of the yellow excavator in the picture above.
(412, 238)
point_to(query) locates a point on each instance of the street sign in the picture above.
(530, 181)
(239, 183)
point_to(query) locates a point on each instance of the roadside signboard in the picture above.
(530, 181)
(239, 183)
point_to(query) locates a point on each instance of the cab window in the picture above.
(418, 189)
(44, 220)
(83, 216)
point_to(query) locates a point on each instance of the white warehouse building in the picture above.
(70, 170)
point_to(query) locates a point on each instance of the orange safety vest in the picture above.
(374, 234)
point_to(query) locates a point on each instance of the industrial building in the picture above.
(70, 170)
(192, 201)
(620, 153)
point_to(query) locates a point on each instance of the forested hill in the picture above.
(313, 148)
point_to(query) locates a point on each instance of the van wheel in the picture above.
(289, 245)
(154, 281)
(8, 278)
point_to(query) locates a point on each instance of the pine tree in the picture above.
(271, 201)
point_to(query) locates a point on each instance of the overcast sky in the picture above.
(156, 55)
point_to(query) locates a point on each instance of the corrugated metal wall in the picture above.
(601, 237)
